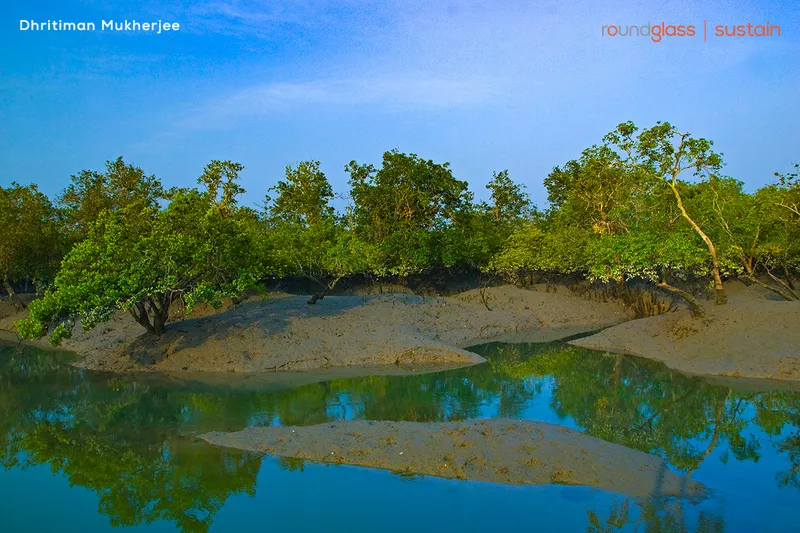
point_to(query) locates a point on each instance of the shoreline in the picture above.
(753, 337)
(284, 333)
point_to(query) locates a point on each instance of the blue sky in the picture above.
(484, 85)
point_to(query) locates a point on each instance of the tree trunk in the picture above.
(159, 322)
(315, 297)
(786, 296)
(139, 314)
(15, 299)
(787, 275)
(722, 298)
(787, 285)
(158, 307)
(617, 375)
(320, 295)
(694, 305)
(714, 435)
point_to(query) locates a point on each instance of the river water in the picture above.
(85, 451)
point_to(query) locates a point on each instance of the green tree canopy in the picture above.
(31, 240)
(121, 185)
(141, 259)
(304, 197)
(595, 191)
(402, 205)
(509, 202)
(309, 240)
(660, 155)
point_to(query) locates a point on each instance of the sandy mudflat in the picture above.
(499, 451)
(282, 332)
(752, 336)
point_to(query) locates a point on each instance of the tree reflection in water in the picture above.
(118, 439)
(658, 514)
(130, 441)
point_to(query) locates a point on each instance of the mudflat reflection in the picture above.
(130, 439)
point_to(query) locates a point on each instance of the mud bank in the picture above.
(282, 332)
(498, 451)
(752, 336)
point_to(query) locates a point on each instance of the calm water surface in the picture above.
(85, 451)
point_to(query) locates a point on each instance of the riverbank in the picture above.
(283, 332)
(498, 451)
(753, 336)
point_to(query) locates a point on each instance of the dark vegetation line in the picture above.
(650, 207)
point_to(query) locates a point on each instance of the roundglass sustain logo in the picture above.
(657, 32)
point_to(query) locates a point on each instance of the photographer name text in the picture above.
(156, 27)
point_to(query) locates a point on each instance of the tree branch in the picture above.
(695, 306)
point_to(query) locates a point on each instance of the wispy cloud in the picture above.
(236, 17)
(396, 93)
(260, 18)
(389, 94)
